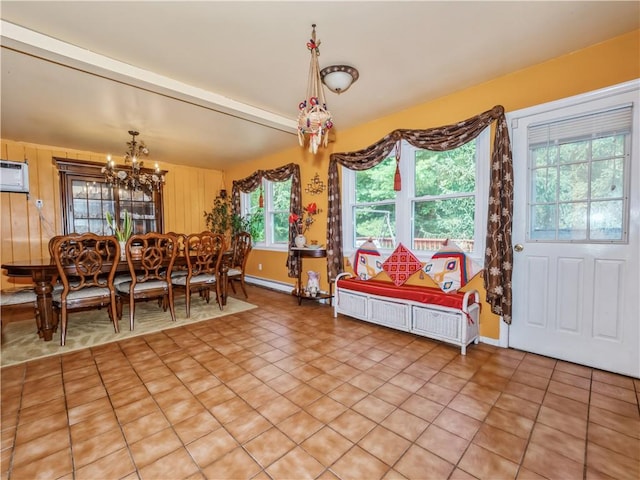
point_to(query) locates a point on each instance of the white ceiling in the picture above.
(210, 83)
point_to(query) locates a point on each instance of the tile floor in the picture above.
(286, 391)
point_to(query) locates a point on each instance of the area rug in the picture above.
(20, 343)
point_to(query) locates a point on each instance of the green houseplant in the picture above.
(221, 219)
(124, 231)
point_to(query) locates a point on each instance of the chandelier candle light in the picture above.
(134, 178)
(314, 120)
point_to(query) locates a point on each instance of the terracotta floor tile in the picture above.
(560, 442)
(303, 395)
(574, 369)
(615, 441)
(278, 409)
(259, 395)
(347, 394)
(183, 410)
(416, 461)
(32, 430)
(215, 396)
(530, 380)
(150, 449)
(480, 392)
(518, 405)
(449, 381)
(326, 445)
(95, 447)
(86, 410)
(487, 465)
(269, 446)
(135, 410)
(248, 426)
(501, 442)
(236, 464)
(470, 406)
(384, 444)
(230, 410)
(525, 392)
(510, 422)
(614, 421)
(392, 394)
(569, 391)
(117, 464)
(614, 391)
(41, 447)
(613, 379)
(373, 408)
(177, 464)
(616, 406)
(405, 424)
(443, 443)
(611, 463)
(565, 423)
(457, 423)
(299, 426)
(144, 426)
(571, 379)
(551, 464)
(284, 383)
(296, 464)
(566, 405)
(352, 425)
(325, 409)
(56, 465)
(211, 447)
(407, 382)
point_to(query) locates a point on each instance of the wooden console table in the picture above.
(302, 253)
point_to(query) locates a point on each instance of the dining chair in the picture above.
(203, 254)
(242, 245)
(86, 266)
(150, 271)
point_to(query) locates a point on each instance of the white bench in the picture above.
(426, 311)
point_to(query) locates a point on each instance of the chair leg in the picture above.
(187, 300)
(132, 310)
(113, 313)
(171, 306)
(244, 290)
(230, 282)
(63, 325)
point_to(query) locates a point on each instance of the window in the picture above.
(443, 196)
(578, 170)
(86, 198)
(275, 214)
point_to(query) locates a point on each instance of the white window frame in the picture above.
(405, 198)
(267, 211)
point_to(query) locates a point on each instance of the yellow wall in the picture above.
(605, 64)
(24, 235)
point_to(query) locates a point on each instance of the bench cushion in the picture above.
(416, 293)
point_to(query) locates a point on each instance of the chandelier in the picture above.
(314, 120)
(134, 177)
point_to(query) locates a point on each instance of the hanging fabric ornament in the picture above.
(314, 119)
(397, 181)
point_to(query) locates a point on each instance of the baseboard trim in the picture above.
(270, 284)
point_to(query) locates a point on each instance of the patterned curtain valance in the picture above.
(499, 254)
(280, 174)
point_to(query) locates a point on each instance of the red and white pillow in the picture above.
(401, 265)
(451, 268)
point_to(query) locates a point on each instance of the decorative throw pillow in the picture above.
(366, 261)
(451, 268)
(401, 265)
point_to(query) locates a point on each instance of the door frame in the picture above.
(512, 122)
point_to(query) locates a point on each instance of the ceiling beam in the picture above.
(50, 49)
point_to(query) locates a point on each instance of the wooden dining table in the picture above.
(43, 270)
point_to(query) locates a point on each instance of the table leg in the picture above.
(43, 289)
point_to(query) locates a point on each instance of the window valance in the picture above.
(280, 174)
(499, 253)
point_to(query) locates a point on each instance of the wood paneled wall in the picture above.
(25, 231)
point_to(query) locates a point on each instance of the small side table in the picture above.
(303, 253)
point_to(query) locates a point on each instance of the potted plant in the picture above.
(121, 232)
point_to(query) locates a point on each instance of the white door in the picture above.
(576, 288)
